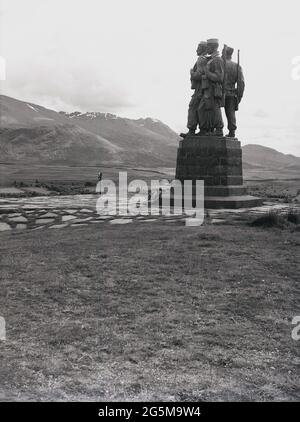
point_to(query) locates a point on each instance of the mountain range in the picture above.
(34, 134)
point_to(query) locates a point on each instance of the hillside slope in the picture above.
(34, 134)
(31, 133)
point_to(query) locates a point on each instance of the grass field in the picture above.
(19, 180)
(150, 311)
(29, 173)
(35, 180)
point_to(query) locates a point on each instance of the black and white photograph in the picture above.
(149, 205)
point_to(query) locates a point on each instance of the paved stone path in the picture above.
(59, 212)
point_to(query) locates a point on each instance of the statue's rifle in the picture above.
(237, 81)
(225, 75)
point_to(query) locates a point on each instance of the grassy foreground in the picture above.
(150, 311)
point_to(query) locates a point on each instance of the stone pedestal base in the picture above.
(218, 162)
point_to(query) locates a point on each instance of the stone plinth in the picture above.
(218, 162)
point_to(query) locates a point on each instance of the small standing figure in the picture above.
(234, 89)
(98, 187)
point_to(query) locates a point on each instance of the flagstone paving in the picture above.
(58, 226)
(49, 215)
(21, 226)
(59, 212)
(81, 220)
(121, 221)
(44, 220)
(20, 219)
(68, 217)
(4, 227)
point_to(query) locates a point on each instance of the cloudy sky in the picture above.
(132, 58)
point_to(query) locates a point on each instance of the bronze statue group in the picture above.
(217, 82)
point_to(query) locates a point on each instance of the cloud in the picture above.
(67, 84)
(132, 58)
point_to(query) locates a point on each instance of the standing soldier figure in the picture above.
(210, 115)
(234, 89)
(196, 78)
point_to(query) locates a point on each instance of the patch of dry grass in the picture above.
(276, 219)
(150, 312)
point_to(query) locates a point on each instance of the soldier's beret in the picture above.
(229, 50)
(213, 41)
(202, 43)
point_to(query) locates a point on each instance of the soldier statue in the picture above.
(217, 82)
(210, 115)
(233, 89)
(196, 79)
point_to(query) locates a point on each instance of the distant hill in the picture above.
(258, 155)
(34, 134)
(263, 162)
(17, 114)
(31, 133)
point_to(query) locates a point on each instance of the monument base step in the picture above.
(230, 190)
(216, 202)
(232, 202)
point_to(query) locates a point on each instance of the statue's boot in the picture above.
(231, 134)
(202, 132)
(218, 132)
(191, 132)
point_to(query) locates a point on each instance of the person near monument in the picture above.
(233, 89)
(99, 184)
(196, 79)
(209, 111)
